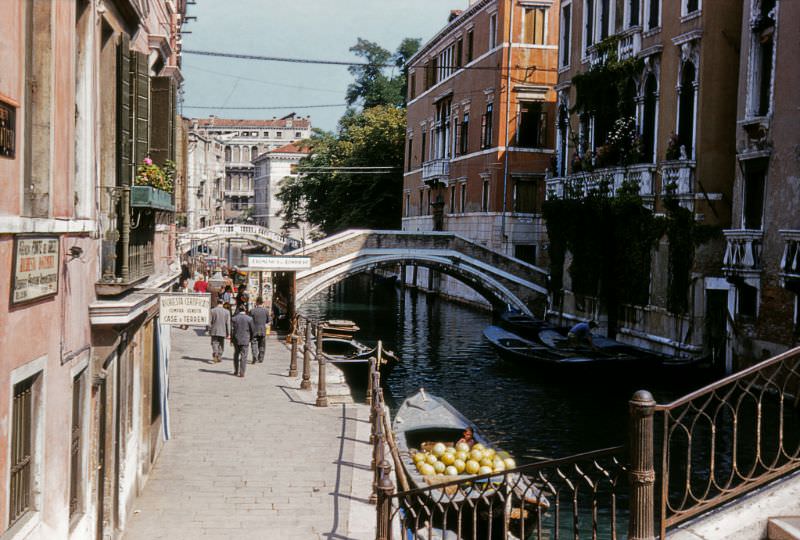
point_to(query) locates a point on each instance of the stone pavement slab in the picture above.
(253, 458)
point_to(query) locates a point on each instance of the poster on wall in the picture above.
(184, 309)
(35, 273)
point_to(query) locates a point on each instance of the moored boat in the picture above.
(352, 357)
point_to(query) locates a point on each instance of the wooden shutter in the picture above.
(162, 119)
(124, 124)
(140, 108)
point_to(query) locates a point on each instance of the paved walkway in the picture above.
(253, 458)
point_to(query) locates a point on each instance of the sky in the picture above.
(318, 29)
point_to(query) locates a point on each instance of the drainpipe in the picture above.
(508, 113)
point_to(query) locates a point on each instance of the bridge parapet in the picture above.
(253, 233)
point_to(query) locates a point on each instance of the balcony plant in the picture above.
(673, 152)
(150, 174)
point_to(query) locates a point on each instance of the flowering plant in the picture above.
(624, 145)
(150, 174)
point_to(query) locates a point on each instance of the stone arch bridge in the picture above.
(504, 281)
(278, 243)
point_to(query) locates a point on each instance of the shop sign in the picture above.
(184, 309)
(35, 274)
(267, 263)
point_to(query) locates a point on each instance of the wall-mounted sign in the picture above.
(267, 263)
(8, 132)
(182, 309)
(36, 267)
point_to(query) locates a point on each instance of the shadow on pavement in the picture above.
(217, 372)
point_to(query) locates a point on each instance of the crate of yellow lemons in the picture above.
(460, 460)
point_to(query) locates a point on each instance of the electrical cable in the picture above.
(267, 108)
(269, 83)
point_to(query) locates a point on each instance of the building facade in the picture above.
(244, 140)
(205, 195)
(762, 261)
(87, 94)
(480, 133)
(647, 97)
(270, 169)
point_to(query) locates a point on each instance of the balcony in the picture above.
(743, 252)
(630, 43)
(790, 261)
(677, 179)
(436, 171)
(150, 197)
(609, 179)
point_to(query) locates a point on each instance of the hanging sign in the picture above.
(267, 263)
(36, 267)
(184, 309)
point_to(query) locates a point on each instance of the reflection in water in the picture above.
(533, 415)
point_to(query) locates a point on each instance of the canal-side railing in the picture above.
(728, 438)
(306, 336)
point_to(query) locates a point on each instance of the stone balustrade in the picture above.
(743, 252)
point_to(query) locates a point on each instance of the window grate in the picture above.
(21, 451)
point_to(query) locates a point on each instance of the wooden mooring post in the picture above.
(642, 473)
(293, 357)
(322, 393)
(306, 382)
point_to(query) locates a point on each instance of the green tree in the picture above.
(337, 200)
(373, 86)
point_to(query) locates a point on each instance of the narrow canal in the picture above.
(533, 415)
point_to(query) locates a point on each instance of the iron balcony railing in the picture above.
(436, 169)
(728, 438)
(743, 252)
(127, 239)
(609, 179)
(790, 261)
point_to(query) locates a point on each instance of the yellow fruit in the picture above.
(490, 453)
(426, 469)
(460, 465)
(498, 465)
(485, 470)
(502, 454)
(448, 458)
(462, 455)
(478, 446)
(486, 462)
(439, 467)
(509, 463)
(472, 466)
(476, 454)
(418, 457)
(462, 447)
(420, 465)
(431, 459)
(450, 450)
(438, 449)
(451, 471)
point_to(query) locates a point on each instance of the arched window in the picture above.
(649, 118)
(228, 154)
(254, 152)
(686, 108)
(628, 101)
(245, 153)
(563, 134)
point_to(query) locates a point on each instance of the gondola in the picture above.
(339, 328)
(423, 419)
(553, 348)
(525, 326)
(352, 357)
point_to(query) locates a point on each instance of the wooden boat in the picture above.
(554, 348)
(339, 328)
(352, 357)
(521, 324)
(423, 419)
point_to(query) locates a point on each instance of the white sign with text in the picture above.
(277, 264)
(182, 309)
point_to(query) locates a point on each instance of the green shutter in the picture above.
(124, 125)
(140, 83)
(162, 119)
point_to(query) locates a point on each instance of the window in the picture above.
(533, 25)
(755, 172)
(492, 31)
(422, 145)
(605, 18)
(464, 137)
(410, 146)
(747, 305)
(654, 14)
(686, 108)
(421, 213)
(692, 6)
(22, 450)
(588, 23)
(412, 86)
(486, 127)
(463, 202)
(485, 196)
(566, 34)
(649, 118)
(761, 59)
(633, 12)
(278, 134)
(563, 134)
(532, 125)
(76, 444)
(470, 45)
(452, 199)
(408, 205)
(443, 129)
(525, 253)
(524, 196)
(459, 53)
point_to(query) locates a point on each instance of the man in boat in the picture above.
(580, 335)
(467, 437)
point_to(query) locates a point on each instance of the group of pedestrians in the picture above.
(247, 330)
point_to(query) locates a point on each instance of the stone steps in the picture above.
(783, 528)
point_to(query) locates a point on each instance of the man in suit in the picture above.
(219, 329)
(242, 330)
(260, 317)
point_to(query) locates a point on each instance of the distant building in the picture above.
(480, 134)
(270, 169)
(676, 82)
(206, 180)
(244, 140)
(762, 256)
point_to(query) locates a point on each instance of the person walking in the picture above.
(219, 328)
(242, 330)
(243, 298)
(260, 316)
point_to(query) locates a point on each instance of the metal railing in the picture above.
(728, 438)
(237, 231)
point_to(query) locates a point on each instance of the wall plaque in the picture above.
(36, 265)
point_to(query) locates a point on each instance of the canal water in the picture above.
(532, 414)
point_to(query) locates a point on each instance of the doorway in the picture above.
(716, 330)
